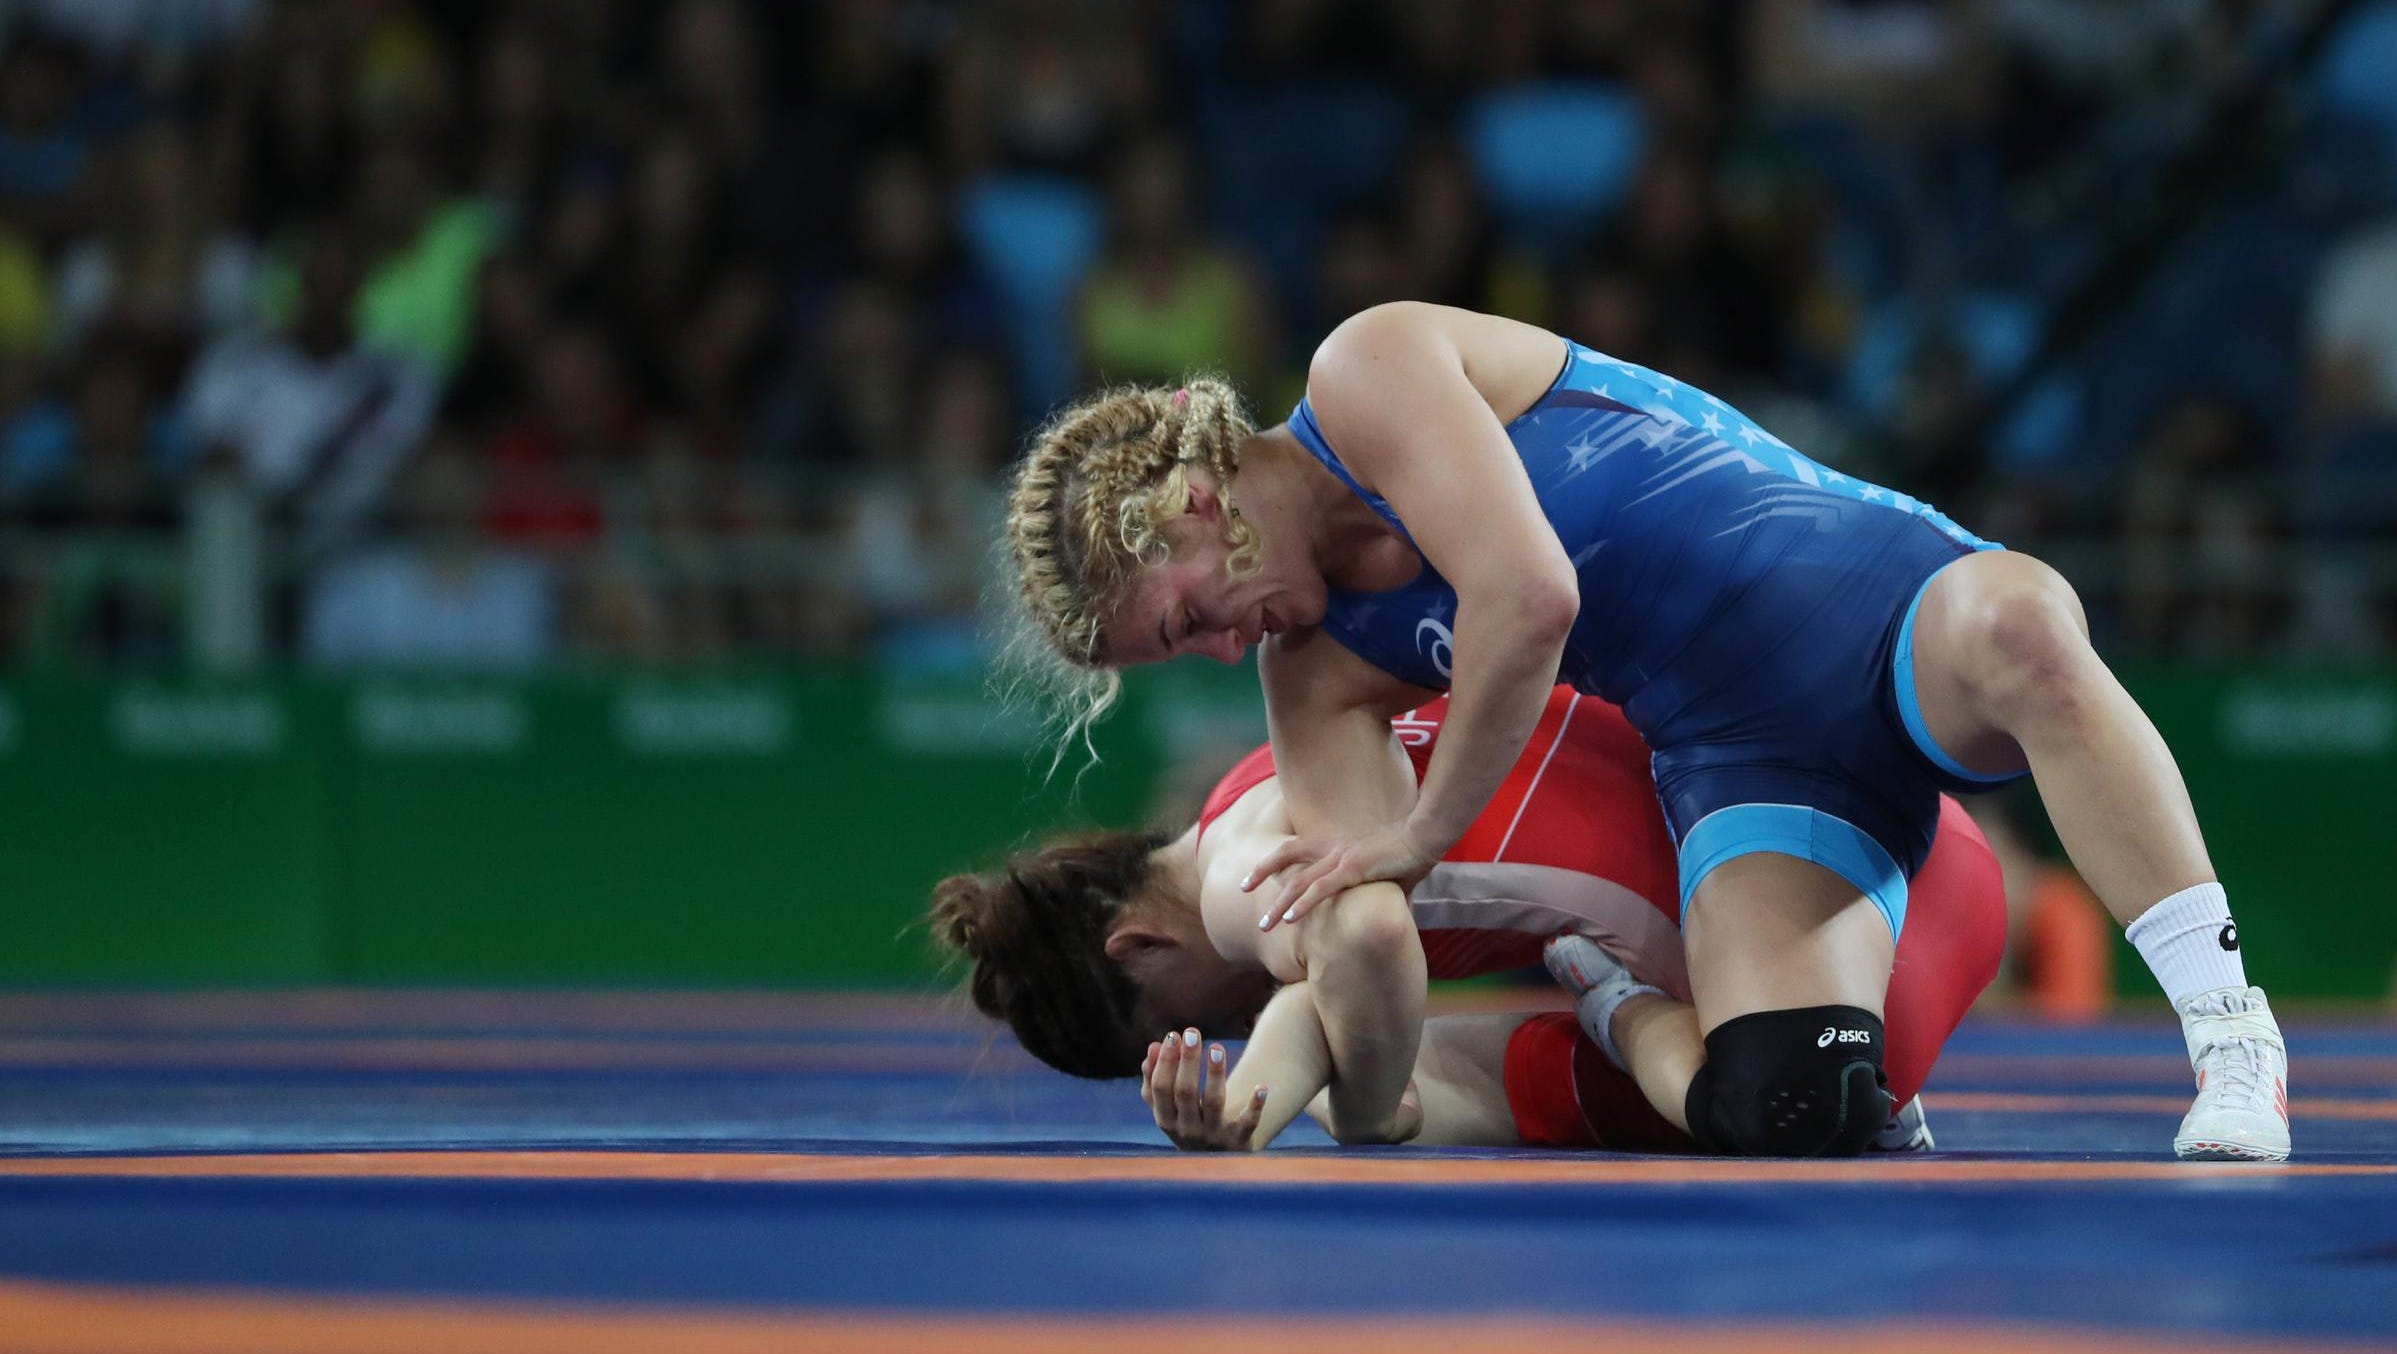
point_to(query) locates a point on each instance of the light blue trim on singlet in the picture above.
(1794, 830)
(1910, 708)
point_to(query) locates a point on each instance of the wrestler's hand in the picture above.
(1192, 1115)
(1321, 868)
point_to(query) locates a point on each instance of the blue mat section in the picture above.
(2314, 1257)
(2292, 1255)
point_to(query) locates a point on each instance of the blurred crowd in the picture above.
(497, 333)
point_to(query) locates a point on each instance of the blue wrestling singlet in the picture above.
(1751, 610)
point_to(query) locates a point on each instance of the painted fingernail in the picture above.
(1265, 923)
(1247, 882)
(1190, 1038)
(1260, 1095)
(1215, 1055)
(1292, 914)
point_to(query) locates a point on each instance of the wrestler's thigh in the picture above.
(1769, 932)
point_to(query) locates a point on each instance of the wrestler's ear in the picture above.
(1134, 939)
(1206, 501)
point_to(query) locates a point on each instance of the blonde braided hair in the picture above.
(1087, 513)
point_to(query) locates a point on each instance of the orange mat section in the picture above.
(1267, 1169)
(40, 1318)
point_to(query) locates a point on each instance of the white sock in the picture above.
(2191, 943)
(1596, 1011)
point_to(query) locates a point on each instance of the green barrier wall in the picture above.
(784, 828)
(2295, 781)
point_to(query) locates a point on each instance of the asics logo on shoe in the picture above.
(1833, 1034)
(2229, 939)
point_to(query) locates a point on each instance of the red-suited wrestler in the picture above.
(1117, 954)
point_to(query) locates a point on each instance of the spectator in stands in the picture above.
(517, 107)
(155, 258)
(2346, 497)
(900, 286)
(48, 134)
(2197, 524)
(658, 591)
(440, 595)
(1357, 265)
(848, 392)
(581, 424)
(424, 246)
(1901, 69)
(316, 423)
(714, 54)
(1609, 306)
(903, 238)
(108, 593)
(24, 294)
(577, 218)
(1164, 299)
(1724, 314)
(2351, 329)
(679, 256)
(158, 40)
(511, 320)
(285, 142)
(1447, 246)
(1046, 86)
(1429, 46)
(102, 455)
(917, 542)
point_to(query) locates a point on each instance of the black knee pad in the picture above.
(1798, 1083)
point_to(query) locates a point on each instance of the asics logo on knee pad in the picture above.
(1802, 1082)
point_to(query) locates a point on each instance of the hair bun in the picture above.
(965, 915)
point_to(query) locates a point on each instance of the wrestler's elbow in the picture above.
(1535, 599)
(1369, 927)
(1380, 1134)
(1547, 606)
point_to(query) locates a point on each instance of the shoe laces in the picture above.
(2240, 1073)
(2247, 1043)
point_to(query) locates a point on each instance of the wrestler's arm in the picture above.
(1459, 1087)
(1329, 713)
(1456, 1098)
(1361, 966)
(1288, 1055)
(1392, 388)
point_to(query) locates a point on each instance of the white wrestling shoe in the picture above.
(2242, 1066)
(1906, 1131)
(1599, 983)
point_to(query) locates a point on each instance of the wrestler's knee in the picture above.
(2022, 639)
(1806, 1082)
